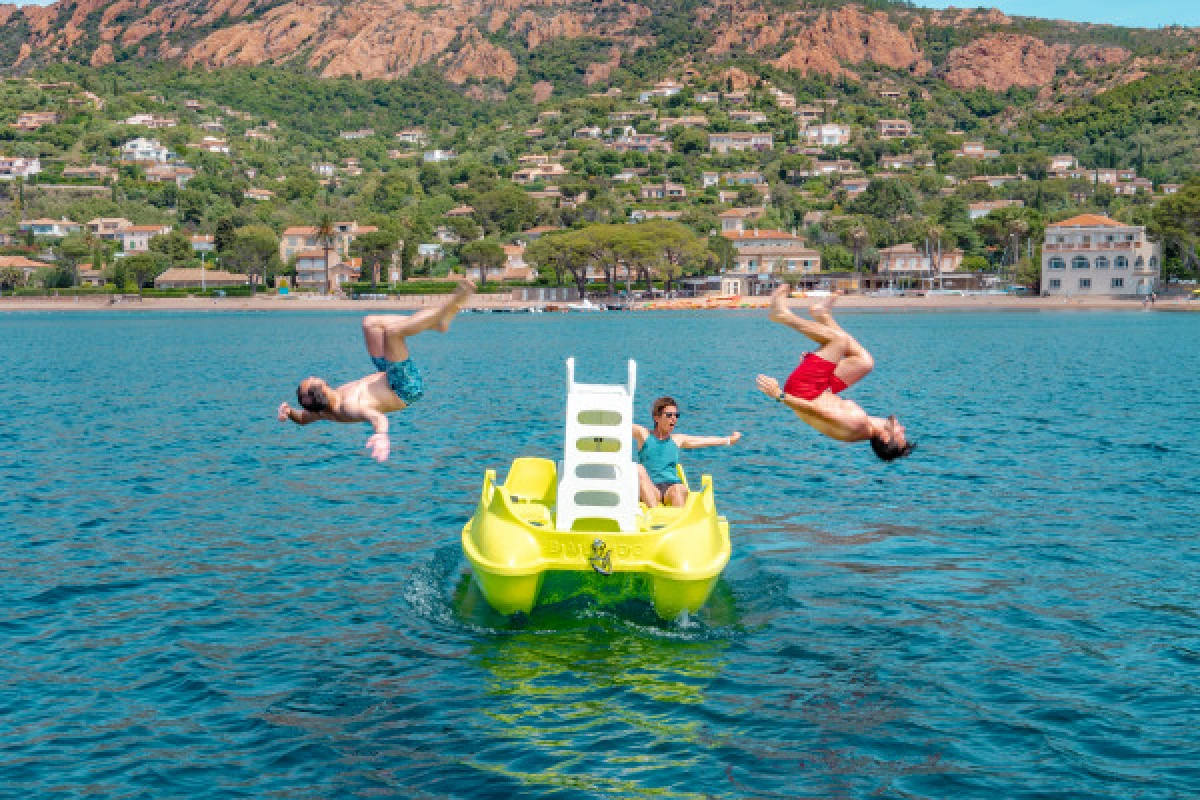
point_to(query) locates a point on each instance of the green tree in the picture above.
(1176, 221)
(223, 237)
(254, 251)
(887, 199)
(505, 209)
(484, 255)
(325, 238)
(143, 268)
(376, 249)
(176, 246)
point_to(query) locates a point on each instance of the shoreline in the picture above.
(501, 302)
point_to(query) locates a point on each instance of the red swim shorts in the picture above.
(814, 375)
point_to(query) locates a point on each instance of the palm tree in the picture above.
(325, 237)
(934, 235)
(858, 237)
(1017, 228)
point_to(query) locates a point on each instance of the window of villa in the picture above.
(1079, 262)
(1138, 262)
(1118, 283)
(1122, 262)
(1153, 261)
(1057, 263)
(1101, 263)
(1055, 283)
(1085, 283)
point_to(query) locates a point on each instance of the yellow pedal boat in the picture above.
(511, 543)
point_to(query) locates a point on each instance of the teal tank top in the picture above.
(660, 457)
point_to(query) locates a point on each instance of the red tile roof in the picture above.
(1086, 221)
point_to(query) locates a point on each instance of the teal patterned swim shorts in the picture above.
(403, 377)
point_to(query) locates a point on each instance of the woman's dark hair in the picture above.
(313, 398)
(662, 403)
(890, 451)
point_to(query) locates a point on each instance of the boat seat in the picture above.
(532, 480)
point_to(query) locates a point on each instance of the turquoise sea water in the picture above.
(199, 601)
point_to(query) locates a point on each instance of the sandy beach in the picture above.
(502, 301)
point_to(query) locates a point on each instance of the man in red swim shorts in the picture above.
(813, 387)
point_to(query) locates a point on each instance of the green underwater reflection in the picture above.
(596, 666)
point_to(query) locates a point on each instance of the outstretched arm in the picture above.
(378, 443)
(692, 442)
(770, 387)
(299, 416)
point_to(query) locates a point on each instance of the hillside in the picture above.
(435, 125)
(500, 41)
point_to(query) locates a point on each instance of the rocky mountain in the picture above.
(494, 40)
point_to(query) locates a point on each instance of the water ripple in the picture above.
(202, 602)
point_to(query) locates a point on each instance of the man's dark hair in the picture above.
(313, 398)
(890, 451)
(662, 403)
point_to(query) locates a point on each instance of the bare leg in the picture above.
(677, 495)
(856, 362)
(385, 335)
(831, 339)
(647, 491)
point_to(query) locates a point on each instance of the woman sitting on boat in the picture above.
(659, 478)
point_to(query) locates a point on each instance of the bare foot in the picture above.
(464, 290)
(779, 309)
(822, 310)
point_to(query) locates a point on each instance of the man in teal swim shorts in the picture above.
(396, 385)
(658, 454)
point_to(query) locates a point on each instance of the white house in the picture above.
(13, 168)
(136, 238)
(1094, 255)
(145, 151)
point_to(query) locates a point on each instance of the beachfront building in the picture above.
(300, 238)
(26, 266)
(1095, 256)
(904, 264)
(195, 278)
(310, 269)
(764, 258)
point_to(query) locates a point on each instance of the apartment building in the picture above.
(145, 151)
(906, 261)
(894, 128)
(32, 120)
(12, 168)
(1094, 255)
(725, 142)
(762, 258)
(827, 135)
(304, 238)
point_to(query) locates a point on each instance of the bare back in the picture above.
(362, 397)
(836, 417)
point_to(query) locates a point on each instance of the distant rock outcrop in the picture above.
(1001, 61)
(848, 36)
